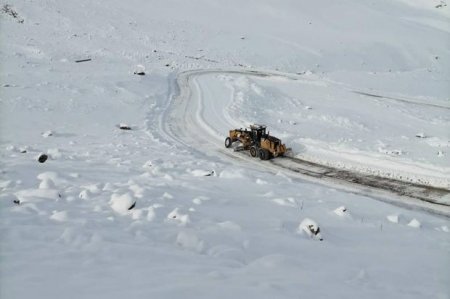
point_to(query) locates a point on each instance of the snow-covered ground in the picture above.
(343, 129)
(363, 85)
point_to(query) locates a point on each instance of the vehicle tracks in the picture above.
(181, 119)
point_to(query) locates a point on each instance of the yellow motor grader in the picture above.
(257, 141)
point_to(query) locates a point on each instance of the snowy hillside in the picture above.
(136, 195)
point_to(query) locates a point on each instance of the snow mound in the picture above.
(59, 216)
(137, 190)
(147, 164)
(167, 195)
(136, 214)
(415, 223)
(5, 184)
(122, 203)
(182, 219)
(341, 211)
(310, 228)
(47, 133)
(288, 202)
(139, 70)
(200, 172)
(200, 199)
(55, 153)
(197, 201)
(51, 175)
(108, 187)
(85, 194)
(47, 183)
(393, 218)
(151, 214)
(94, 188)
(261, 182)
(37, 195)
(189, 240)
(10, 148)
(421, 135)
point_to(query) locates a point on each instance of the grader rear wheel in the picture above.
(253, 151)
(264, 154)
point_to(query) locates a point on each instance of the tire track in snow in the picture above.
(183, 123)
(403, 100)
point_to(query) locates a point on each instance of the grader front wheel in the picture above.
(228, 142)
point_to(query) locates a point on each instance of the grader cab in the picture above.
(257, 141)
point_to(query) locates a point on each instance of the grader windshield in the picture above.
(258, 132)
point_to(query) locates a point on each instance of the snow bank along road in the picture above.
(197, 119)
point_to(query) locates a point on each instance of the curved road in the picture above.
(183, 122)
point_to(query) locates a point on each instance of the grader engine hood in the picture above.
(273, 145)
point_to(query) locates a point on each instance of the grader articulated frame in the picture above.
(257, 141)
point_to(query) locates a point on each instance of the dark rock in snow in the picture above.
(83, 60)
(139, 70)
(124, 127)
(132, 206)
(16, 201)
(42, 158)
(421, 135)
(8, 10)
(210, 174)
(47, 133)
